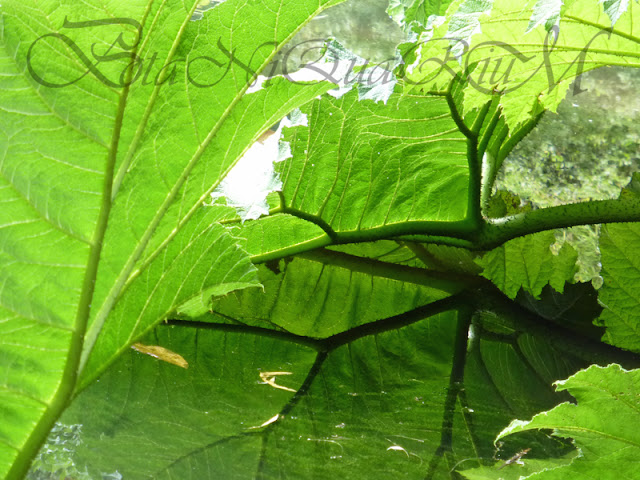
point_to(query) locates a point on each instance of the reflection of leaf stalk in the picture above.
(486, 298)
(302, 391)
(264, 432)
(339, 339)
(456, 384)
(488, 379)
(468, 421)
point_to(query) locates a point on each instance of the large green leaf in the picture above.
(209, 408)
(620, 294)
(529, 263)
(603, 424)
(325, 293)
(508, 48)
(103, 227)
(103, 234)
(418, 401)
(199, 263)
(364, 165)
(218, 135)
(281, 235)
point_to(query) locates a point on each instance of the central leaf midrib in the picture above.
(60, 398)
(92, 334)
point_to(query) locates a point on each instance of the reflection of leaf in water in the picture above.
(425, 388)
(161, 353)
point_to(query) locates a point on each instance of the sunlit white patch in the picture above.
(256, 86)
(202, 7)
(344, 68)
(316, 73)
(465, 24)
(545, 12)
(254, 177)
(298, 119)
(347, 70)
(378, 90)
(304, 75)
(433, 22)
(472, 332)
(247, 185)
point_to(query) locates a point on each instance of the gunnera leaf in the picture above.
(602, 423)
(528, 263)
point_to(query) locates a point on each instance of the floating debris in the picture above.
(515, 459)
(269, 378)
(161, 353)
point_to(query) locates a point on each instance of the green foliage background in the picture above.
(412, 292)
(587, 151)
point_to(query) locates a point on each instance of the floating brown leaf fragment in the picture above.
(269, 378)
(161, 353)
